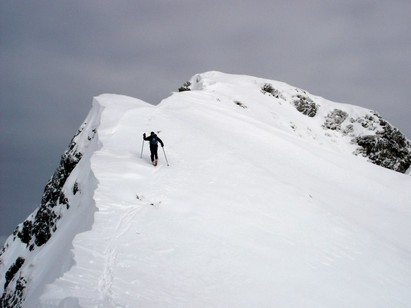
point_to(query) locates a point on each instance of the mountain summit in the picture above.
(274, 197)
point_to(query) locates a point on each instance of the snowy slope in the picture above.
(261, 205)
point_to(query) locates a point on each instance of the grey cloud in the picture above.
(55, 56)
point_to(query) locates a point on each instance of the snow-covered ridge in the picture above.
(263, 198)
(372, 136)
(66, 204)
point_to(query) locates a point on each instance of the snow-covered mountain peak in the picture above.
(295, 111)
(264, 203)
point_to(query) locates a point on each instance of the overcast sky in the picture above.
(56, 55)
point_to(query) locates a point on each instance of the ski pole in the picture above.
(142, 147)
(165, 156)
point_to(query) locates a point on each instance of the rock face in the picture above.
(38, 231)
(387, 148)
(334, 120)
(39, 227)
(381, 143)
(15, 297)
(305, 105)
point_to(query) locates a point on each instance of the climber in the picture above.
(153, 139)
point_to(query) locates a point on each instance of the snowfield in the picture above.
(261, 206)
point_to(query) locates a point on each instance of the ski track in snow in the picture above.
(124, 210)
(106, 280)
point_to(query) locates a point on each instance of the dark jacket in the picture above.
(154, 139)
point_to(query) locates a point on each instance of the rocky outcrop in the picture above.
(38, 231)
(39, 227)
(268, 88)
(14, 298)
(334, 119)
(185, 87)
(305, 105)
(388, 147)
(381, 143)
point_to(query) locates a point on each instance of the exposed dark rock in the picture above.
(39, 227)
(44, 225)
(45, 220)
(63, 200)
(37, 230)
(26, 231)
(305, 105)
(371, 122)
(385, 145)
(240, 104)
(387, 148)
(268, 88)
(14, 298)
(75, 188)
(185, 87)
(334, 119)
(13, 270)
(349, 129)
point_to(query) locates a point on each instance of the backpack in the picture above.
(153, 140)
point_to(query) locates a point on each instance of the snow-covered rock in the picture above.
(263, 204)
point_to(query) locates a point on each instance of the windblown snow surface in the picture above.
(260, 206)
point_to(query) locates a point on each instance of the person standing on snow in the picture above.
(154, 140)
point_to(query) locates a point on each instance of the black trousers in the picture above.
(153, 151)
